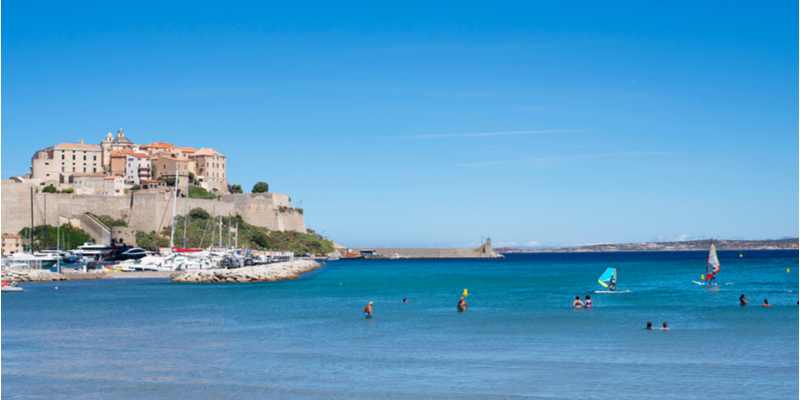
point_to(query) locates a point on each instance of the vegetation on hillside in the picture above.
(45, 236)
(252, 237)
(108, 221)
(196, 192)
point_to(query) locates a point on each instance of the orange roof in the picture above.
(113, 177)
(140, 155)
(77, 145)
(89, 175)
(152, 180)
(121, 153)
(187, 149)
(158, 145)
(171, 158)
(10, 236)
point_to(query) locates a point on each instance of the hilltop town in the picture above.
(118, 165)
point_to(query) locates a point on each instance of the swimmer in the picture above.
(649, 326)
(368, 311)
(742, 301)
(462, 305)
(664, 328)
(588, 302)
(766, 303)
(577, 303)
(405, 300)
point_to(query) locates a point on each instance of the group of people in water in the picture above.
(577, 304)
(461, 307)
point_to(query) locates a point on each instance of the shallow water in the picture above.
(307, 338)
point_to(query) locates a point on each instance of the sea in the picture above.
(520, 339)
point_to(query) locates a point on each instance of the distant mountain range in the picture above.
(689, 245)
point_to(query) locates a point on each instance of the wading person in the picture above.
(577, 303)
(462, 305)
(368, 311)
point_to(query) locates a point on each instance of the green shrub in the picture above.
(49, 189)
(261, 187)
(196, 192)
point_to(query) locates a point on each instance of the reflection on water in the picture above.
(521, 338)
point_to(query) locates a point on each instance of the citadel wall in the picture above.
(143, 211)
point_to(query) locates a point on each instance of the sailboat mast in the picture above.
(174, 205)
(213, 225)
(185, 213)
(30, 234)
(709, 257)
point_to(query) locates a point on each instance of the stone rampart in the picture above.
(143, 211)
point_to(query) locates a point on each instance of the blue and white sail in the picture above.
(605, 279)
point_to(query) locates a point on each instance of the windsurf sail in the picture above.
(713, 263)
(606, 277)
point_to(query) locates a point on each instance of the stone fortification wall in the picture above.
(143, 211)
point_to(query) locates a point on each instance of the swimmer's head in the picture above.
(577, 297)
(649, 324)
(741, 297)
(588, 297)
(766, 301)
(665, 324)
(462, 297)
(370, 302)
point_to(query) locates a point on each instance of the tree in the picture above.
(68, 190)
(169, 179)
(191, 177)
(50, 189)
(236, 189)
(261, 187)
(199, 213)
(136, 187)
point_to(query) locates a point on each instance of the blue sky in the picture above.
(419, 124)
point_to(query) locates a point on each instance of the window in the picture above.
(84, 169)
(95, 158)
(84, 157)
(73, 156)
(62, 168)
(73, 169)
(94, 170)
(46, 163)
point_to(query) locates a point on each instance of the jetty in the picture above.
(484, 251)
(259, 273)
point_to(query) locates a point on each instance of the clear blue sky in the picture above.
(434, 124)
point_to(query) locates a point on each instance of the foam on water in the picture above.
(308, 339)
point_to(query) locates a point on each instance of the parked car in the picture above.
(248, 261)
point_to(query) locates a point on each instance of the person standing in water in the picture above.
(588, 302)
(742, 301)
(368, 311)
(664, 328)
(577, 303)
(649, 326)
(766, 303)
(462, 305)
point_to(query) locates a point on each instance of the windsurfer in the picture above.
(577, 303)
(612, 283)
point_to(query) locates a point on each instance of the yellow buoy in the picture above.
(465, 293)
(787, 270)
(740, 255)
(702, 277)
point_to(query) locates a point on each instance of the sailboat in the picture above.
(712, 267)
(606, 281)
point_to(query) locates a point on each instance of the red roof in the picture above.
(159, 145)
(10, 236)
(153, 181)
(78, 145)
(140, 155)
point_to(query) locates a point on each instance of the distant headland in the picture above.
(689, 245)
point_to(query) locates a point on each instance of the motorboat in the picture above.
(10, 287)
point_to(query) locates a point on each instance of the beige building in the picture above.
(112, 144)
(166, 166)
(154, 148)
(11, 244)
(57, 163)
(118, 162)
(152, 184)
(114, 186)
(211, 167)
(88, 184)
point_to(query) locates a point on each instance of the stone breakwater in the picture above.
(259, 273)
(29, 275)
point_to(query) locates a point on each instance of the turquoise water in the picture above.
(307, 339)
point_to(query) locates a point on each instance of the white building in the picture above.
(137, 167)
(59, 162)
(114, 186)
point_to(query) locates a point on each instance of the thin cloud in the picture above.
(553, 159)
(481, 134)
